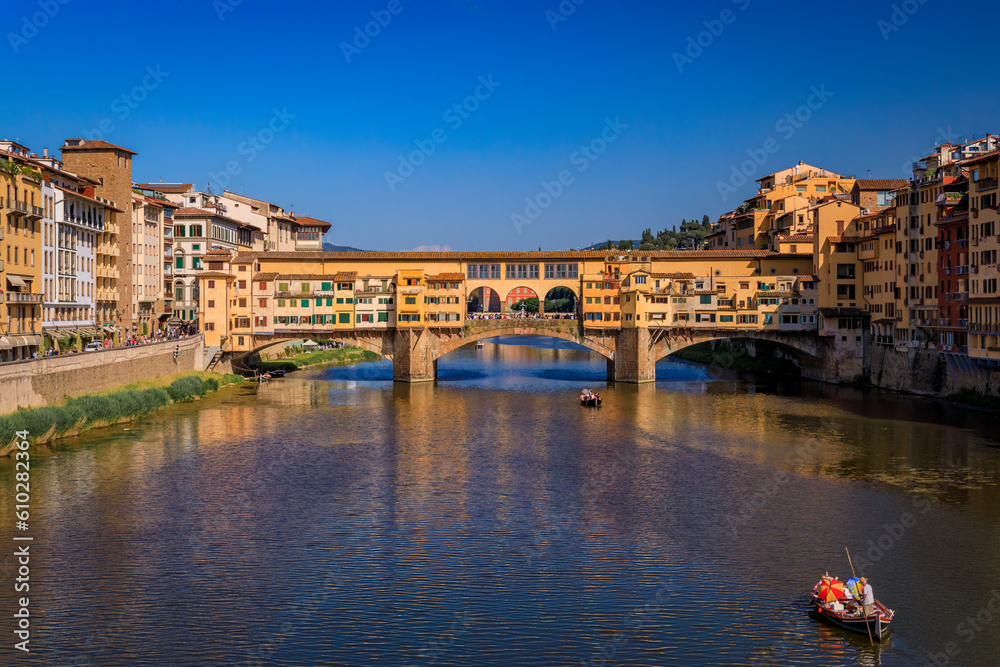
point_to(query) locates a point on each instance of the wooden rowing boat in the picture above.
(847, 613)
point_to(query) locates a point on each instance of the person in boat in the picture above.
(867, 597)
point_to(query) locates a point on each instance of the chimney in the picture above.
(45, 152)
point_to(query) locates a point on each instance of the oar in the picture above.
(867, 627)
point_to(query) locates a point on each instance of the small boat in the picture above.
(279, 373)
(590, 399)
(480, 345)
(846, 612)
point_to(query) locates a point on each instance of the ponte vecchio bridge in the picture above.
(631, 308)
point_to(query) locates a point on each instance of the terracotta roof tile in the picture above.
(216, 274)
(92, 145)
(305, 276)
(459, 256)
(264, 277)
(345, 275)
(798, 238)
(306, 221)
(880, 183)
(447, 277)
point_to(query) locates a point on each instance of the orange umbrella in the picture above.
(831, 590)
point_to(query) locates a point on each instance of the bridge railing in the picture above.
(545, 317)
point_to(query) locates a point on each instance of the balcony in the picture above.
(986, 184)
(963, 322)
(36, 212)
(106, 271)
(18, 206)
(107, 295)
(24, 297)
(108, 249)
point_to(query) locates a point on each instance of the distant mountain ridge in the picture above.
(329, 247)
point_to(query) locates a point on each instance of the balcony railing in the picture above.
(24, 297)
(19, 206)
(986, 183)
(36, 211)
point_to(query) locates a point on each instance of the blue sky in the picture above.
(595, 120)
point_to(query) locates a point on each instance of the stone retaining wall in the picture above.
(36, 382)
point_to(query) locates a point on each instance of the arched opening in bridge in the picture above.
(560, 300)
(744, 354)
(522, 300)
(484, 300)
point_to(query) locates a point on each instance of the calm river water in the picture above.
(336, 518)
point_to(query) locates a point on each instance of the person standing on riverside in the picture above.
(867, 597)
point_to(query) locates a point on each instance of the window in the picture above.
(305, 303)
(345, 318)
(639, 280)
(845, 270)
(800, 188)
(706, 299)
(211, 284)
(557, 271)
(383, 316)
(410, 300)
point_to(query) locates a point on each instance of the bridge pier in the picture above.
(414, 356)
(634, 359)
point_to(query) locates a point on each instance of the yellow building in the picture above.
(984, 227)
(20, 254)
(411, 307)
(445, 300)
(780, 207)
(835, 259)
(876, 250)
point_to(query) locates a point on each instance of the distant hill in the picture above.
(329, 247)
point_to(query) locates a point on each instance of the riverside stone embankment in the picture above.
(47, 380)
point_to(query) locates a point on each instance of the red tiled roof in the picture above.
(216, 274)
(93, 145)
(345, 275)
(447, 277)
(306, 221)
(459, 256)
(880, 183)
(264, 277)
(843, 239)
(167, 187)
(675, 275)
(798, 238)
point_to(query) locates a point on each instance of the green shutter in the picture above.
(383, 316)
(358, 321)
(329, 301)
(327, 287)
(180, 262)
(345, 318)
(305, 303)
(282, 287)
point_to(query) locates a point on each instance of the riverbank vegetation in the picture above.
(83, 413)
(974, 398)
(301, 358)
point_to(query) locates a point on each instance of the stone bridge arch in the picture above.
(665, 342)
(565, 329)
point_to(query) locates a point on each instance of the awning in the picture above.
(61, 333)
(15, 280)
(5, 343)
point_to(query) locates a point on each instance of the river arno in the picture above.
(336, 518)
